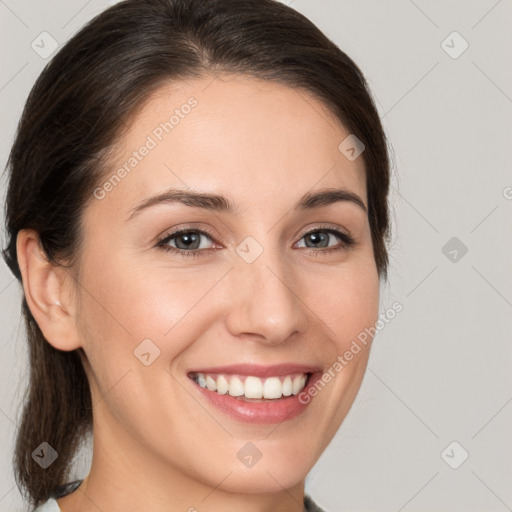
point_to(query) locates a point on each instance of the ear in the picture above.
(48, 292)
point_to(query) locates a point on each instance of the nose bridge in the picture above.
(264, 302)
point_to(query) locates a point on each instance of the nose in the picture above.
(265, 304)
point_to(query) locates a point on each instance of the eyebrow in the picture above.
(220, 203)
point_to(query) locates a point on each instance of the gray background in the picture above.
(440, 370)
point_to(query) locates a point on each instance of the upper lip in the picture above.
(259, 370)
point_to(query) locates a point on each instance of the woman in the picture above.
(197, 212)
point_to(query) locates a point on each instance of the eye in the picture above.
(191, 241)
(320, 238)
(188, 242)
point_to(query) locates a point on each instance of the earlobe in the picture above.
(44, 285)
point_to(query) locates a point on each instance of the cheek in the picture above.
(346, 298)
(358, 306)
(128, 303)
(349, 310)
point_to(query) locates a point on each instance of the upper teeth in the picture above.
(252, 387)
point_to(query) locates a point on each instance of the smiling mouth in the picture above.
(250, 387)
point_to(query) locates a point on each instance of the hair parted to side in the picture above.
(76, 111)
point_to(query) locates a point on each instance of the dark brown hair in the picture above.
(76, 111)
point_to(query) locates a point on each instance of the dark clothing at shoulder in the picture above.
(310, 505)
(63, 490)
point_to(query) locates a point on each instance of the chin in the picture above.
(277, 469)
(263, 480)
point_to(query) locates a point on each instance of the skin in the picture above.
(262, 145)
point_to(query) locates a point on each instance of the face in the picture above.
(264, 289)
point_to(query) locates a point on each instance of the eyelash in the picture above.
(346, 240)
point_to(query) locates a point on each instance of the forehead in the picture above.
(258, 142)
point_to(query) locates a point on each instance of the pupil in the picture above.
(189, 239)
(317, 237)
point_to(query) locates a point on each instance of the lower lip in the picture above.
(266, 411)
